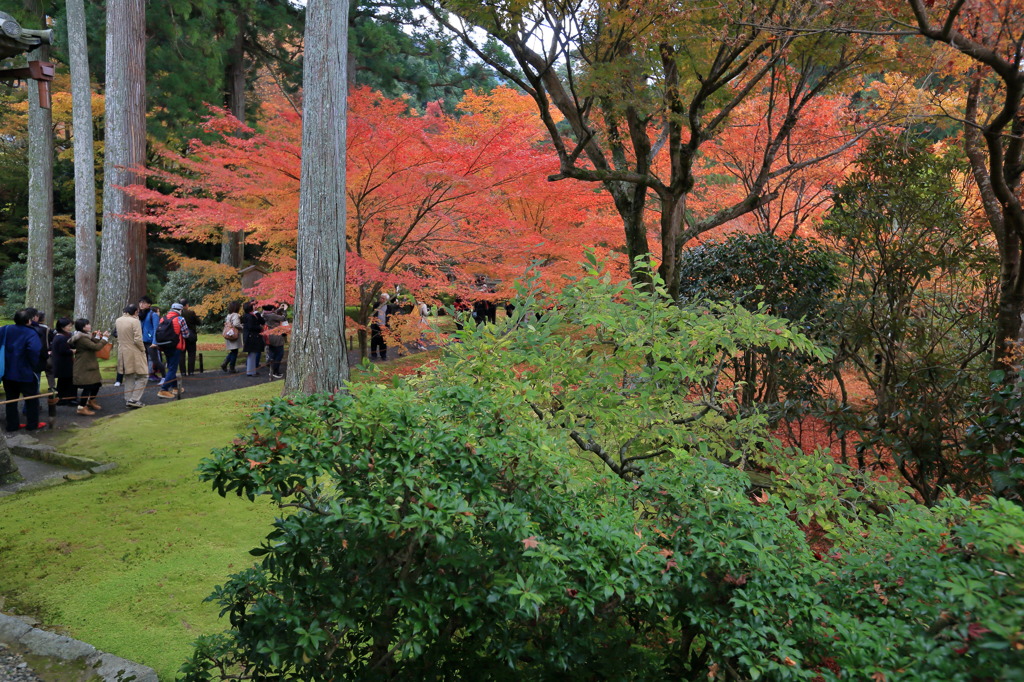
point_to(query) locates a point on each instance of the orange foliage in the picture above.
(436, 203)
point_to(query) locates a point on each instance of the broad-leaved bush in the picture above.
(568, 495)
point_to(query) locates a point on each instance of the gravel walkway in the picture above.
(13, 667)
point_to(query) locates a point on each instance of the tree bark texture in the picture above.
(319, 358)
(85, 173)
(123, 256)
(39, 290)
(232, 245)
(232, 248)
(234, 76)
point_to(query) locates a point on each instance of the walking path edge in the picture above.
(109, 668)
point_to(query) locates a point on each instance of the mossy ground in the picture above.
(125, 559)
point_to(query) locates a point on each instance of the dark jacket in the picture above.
(273, 321)
(22, 349)
(63, 357)
(192, 320)
(252, 341)
(44, 343)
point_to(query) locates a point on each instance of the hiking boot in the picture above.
(93, 405)
(166, 394)
(224, 366)
(82, 409)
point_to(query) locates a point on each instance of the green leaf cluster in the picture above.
(914, 312)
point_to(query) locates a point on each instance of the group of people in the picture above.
(254, 331)
(151, 347)
(68, 353)
(381, 321)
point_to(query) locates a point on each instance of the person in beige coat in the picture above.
(233, 321)
(131, 356)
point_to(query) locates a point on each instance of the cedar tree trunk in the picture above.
(232, 246)
(85, 172)
(319, 359)
(123, 257)
(39, 290)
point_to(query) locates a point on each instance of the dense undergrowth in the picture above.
(593, 505)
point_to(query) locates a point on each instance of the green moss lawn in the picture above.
(124, 560)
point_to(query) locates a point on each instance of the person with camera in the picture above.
(86, 372)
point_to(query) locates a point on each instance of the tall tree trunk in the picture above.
(123, 257)
(39, 290)
(673, 209)
(234, 76)
(85, 172)
(1004, 220)
(319, 358)
(232, 248)
(232, 245)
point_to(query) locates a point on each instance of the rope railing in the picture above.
(54, 398)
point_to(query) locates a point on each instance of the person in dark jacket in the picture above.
(157, 368)
(274, 319)
(63, 359)
(380, 322)
(44, 340)
(22, 350)
(191, 341)
(252, 338)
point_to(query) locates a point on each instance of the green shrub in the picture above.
(790, 278)
(548, 505)
(14, 280)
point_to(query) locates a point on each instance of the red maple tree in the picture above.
(438, 205)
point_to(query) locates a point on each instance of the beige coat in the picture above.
(235, 321)
(131, 352)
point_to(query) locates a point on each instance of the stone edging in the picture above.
(109, 668)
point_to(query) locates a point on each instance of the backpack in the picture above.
(165, 334)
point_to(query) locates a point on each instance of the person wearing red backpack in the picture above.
(170, 336)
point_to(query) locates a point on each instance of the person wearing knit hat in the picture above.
(171, 333)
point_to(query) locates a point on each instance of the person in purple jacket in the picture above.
(22, 349)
